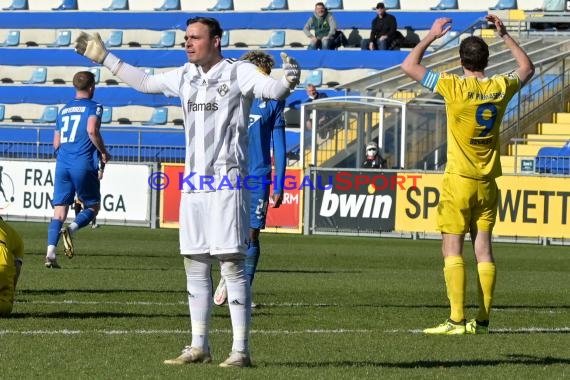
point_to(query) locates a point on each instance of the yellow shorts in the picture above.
(467, 204)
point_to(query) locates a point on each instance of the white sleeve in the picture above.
(263, 86)
(167, 83)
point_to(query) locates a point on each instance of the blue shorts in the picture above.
(258, 206)
(68, 182)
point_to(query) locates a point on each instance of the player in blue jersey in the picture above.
(266, 125)
(78, 144)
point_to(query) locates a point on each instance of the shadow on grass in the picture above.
(305, 271)
(512, 359)
(114, 256)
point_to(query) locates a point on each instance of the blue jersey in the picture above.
(266, 123)
(76, 149)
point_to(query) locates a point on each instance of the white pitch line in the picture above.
(262, 305)
(263, 332)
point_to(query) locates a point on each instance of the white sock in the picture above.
(50, 252)
(239, 301)
(73, 227)
(199, 286)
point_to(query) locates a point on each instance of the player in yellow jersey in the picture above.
(11, 253)
(475, 105)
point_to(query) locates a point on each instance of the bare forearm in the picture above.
(525, 66)
(97, 140)
(412, 64)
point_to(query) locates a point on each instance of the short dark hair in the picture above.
(82, 80)
(321, 4)
(474, 53)
(212, 24)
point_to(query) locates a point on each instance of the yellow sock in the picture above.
(486, 278)
(454, 272)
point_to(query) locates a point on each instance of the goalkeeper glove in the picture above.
(91, 46)
(291, 70)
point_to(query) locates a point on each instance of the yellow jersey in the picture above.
(14, 246)
(475, 109)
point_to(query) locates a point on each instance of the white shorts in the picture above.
(214, 223)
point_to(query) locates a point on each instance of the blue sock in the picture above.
(53, 231)
(84, 217)
(253, 252)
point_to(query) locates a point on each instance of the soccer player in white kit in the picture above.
(216, 96)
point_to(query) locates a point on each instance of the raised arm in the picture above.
(279, 154)
(92, 47)
(412, 64)
(525, 69)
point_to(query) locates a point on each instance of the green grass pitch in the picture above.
(330, 308)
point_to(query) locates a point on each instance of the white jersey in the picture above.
(216, 108)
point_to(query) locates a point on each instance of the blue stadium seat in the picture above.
(49, 115)
(277, 39)
(276, 5)
(445, 4)
(169, 5)
(505, 4)
(63, 39)
(223, 5)
(12, 39)
(2, 111)
(115, 39)
(159, 117)
(97, 72)
(392, 4)
(315, 78)
(225, 41)
(553, 160)
(107, 115)
(39, 75)
(167, 40)
(118, 5)
(554, 5)
(334, 4)
(18, 5)
(66, 5)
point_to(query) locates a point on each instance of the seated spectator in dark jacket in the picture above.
(324, 26)
(373, 158)
(382, 32)
(323, 116)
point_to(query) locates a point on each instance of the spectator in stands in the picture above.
(78, 143)
(323, 131)
(266, 134)
(374, 159)
(475, 106)
(215, 94)
(383, 31)
(11, 255)
(324, 25)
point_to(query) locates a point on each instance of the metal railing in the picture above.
(138, 151)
